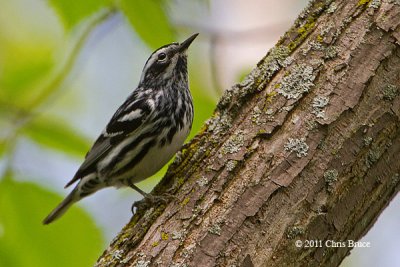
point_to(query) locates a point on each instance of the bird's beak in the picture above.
(185, 44)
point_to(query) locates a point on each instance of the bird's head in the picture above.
(167, 62)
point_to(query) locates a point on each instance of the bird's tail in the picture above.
(61, 208)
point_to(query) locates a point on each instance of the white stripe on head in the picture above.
(170, 69)
(154, 57)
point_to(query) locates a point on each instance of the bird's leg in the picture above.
(145, 202)
(134, 187)
(148, 199)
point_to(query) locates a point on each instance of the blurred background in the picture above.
(66, 66)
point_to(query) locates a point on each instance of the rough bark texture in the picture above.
(306, 148)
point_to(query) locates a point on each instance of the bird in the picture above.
(144, 133)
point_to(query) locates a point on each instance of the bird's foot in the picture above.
(151, 200)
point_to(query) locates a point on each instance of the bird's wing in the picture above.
(130, 116)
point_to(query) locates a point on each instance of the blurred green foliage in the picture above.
(24, 241)
(149, 20)
(50, 131)
(24, 66)
(31, 78)
(72, 12)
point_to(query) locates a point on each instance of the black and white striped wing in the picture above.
(131, 116)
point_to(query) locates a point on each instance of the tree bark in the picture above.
(306, 148)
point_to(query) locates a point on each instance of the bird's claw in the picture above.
(151, 200)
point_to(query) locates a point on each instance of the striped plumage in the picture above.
(144, 133)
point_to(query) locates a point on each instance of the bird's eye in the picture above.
(162, 56)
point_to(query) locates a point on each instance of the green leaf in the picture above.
(24, 67)
(2, 148)
(58, 135)
(150, 21)
(74, 240)
(72, 12)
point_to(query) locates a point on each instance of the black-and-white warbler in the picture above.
(144, 133)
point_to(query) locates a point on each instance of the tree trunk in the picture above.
(306, 148)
